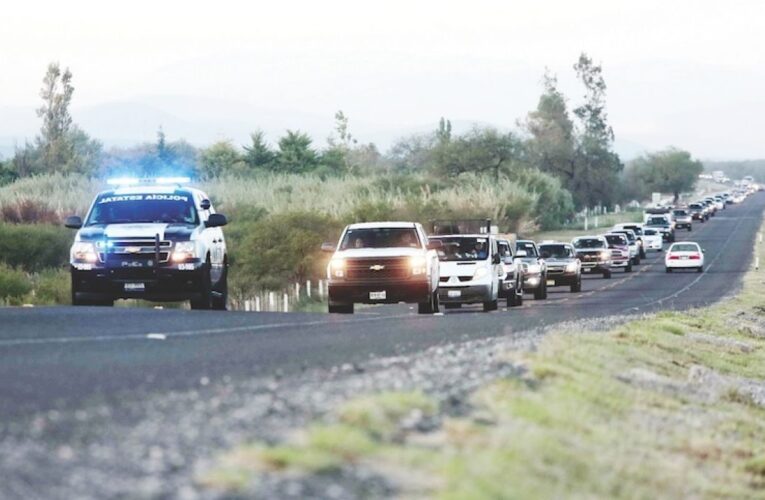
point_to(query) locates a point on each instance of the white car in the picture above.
(684, 255)
(652, 239)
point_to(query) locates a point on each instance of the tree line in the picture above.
(573, 145)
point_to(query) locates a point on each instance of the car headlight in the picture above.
(605, 255)
(571, 267)
(534, 268)
(419, 265)
(184, 250)
(480, 273)
(84, 251)
(337, 268)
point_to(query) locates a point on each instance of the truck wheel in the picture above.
(340, 308)
(642, 253)
(700, 269)
(607, 274)
(690, 228)
(429, 307)
(220, 299)
(490, 306)
(516, 298)
(628, 269)
(577, 287)
(540, 293)
(204, 302)
(669, 269)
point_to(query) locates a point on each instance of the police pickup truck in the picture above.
(149, 239)
(383, 263)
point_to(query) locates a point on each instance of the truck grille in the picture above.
(377, 269)
(135, 249)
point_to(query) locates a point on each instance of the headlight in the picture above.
(184, 250)
(480, 273)
(84, 252)
(336, 268)
(534, 268)
(605, 254)
(419, 265)
(571, 267)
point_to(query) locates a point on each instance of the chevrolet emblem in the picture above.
(377, 267)
(132, 249)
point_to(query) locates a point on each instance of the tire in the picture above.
(668, 269)
(628, 269)
(540, 293)
(700, 269)
(429, 307)
(690, 229)
(220, 300)
(340, 308)
(607, 275)
(516, 298)
(490, 306)
(642, 253)
(205, 301)
(577, 287)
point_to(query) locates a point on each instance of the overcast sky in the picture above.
(684, 73)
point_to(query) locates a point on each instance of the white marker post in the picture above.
(286, 303)
(308, 288)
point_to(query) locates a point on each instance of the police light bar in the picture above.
(135, 181)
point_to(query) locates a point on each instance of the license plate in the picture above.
(377, 295)
(454, 294)
(684, 257)
(550, 282)
(135, 287)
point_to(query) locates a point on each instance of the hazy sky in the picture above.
(687, 73)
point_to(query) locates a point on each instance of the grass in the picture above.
(654, 408)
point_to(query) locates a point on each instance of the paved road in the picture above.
(65, 357)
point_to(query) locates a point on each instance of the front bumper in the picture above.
(596, 267)
(561, 278)
(171, 282)
(409, 291)
(464, 294)
(506, 287)
(532, 281)
(622, 262)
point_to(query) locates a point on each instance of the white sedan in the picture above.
(652, 239)
(684, 255)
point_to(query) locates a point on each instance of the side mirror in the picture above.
(205, 205)
(435, 244)
(521, 253)
(496, 259)
(328, 247)
(216, 220)
(73, 222)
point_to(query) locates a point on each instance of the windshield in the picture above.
(629, 235)
(684, 247)
(554, 252)
(695, 206)
(615, 239)
(635, 229)
(589, 243)
(134, 208)
(528, 247)
(381, 237)
(680, 213)
(657, 221)
(463, 248)
(650, 232)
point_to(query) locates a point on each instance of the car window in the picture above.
(583, 243)
(461, 248)
(554, 252)
(528, 247)
(684, 247)
(167, 208)
(615, 239)
(380, 237)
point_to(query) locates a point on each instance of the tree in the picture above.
(340, 156)
(56, 94)
(444, 132)
(220, 159)
(552, 145)
(597, 166)
(670, 171)
(259, 155)
(295, 155)
(480, 151)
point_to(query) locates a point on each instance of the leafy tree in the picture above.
(7, 172)
(259, 155)
(295, 155)
(480, 151)
(670, 171)
(444, 132)
(222, 158)
(552, 144)
(56, 94)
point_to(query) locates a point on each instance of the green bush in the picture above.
(14, 284)
(52, 286)
(34, 247)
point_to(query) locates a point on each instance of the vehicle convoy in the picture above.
(534, 268)
(620, 251)
(471, 270)
(594, 254)
(511, 287)
(638, 230)
(683, 219)
(684, 255)
(383, 263)
(697, 212)
(662, 224)
(632, 242)
(149, 239)
(563, 265)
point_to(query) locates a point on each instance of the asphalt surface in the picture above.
(64, 357)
